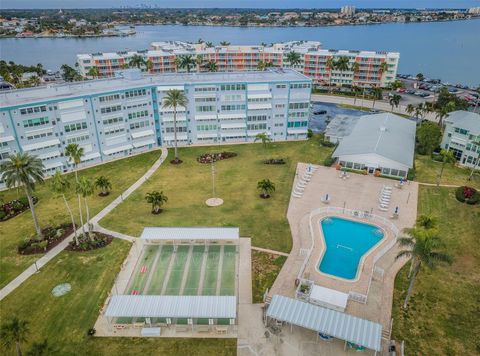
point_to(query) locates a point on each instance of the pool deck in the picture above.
(360, 193)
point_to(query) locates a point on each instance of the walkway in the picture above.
(10, 287)
(273, 252)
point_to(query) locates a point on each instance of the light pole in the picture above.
(214, 201)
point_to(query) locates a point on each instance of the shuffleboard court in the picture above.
(211, 271)
(193, 277)
(227, 286)
(160, 271)
(142, 270)
(175, 281)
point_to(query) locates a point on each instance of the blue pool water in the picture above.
(346, 242)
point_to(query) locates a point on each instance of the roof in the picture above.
(385, 134)
(326, 321)
(465, 120)
(166, 306)
(93, 87)
(190, 233)
(329, 296)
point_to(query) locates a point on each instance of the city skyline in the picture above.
(70, 4)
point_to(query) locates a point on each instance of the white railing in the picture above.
(360, 214)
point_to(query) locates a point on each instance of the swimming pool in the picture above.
(346, 241)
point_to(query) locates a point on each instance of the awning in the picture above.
(117, 149)
(458, 141)
(297, 131)
(259, 96)
(232, 116)
(142, 133)
(236, 125)
(52, 165)
(91, 156)
(171, 87)
(169, 118)
(206, 117)
(39, 145)
(180, 137)
(233, 134)
(49, 155)
(143, 143)
(207, 135)
(326, 321)
(190, 233)
(256, 132)
(259, 106)
(167, 306)
(6, 139)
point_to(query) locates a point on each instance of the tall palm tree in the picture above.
(42, 348)
(447, 157)
(426, 221)
(174, 99)
(104, 184)
(330, 66)
(14, 331)
(342, 64)
(198, 62)
(137, 61)
(382, 68)
(423, 247)
(395, 101)
(264, 65)
(294, 58)
(410, 109)
(377, 94)
(93, 72)
(22, 169)
(266, 187)
(420, 77)
(157, 199)
(442, 112)
(355, 68)
(187, 62)
(60, 185)
(264, 138)
(74, 153)
(149, 65)
(209, 44)
(211, 66)
(224, 43)
(85, 189)
(177, 62)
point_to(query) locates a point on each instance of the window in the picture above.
(139, 124)
(33, 109)
(35, 122)
(257, 118)
(233, 107)
(179, 129)
(77, 139)
(394, 172)
(105, 98)
(113, 120)
(258, 100)
(114, 130)
(38, 135)
(225, 87)
(281, 86)
(205, 100)
(138, 114)
(205, 108)
(299, 105)
(257, 126)
(206, 127)
(299, 85)
(204, 89)
(75, 127)
(297, 124)
(110, 109)
(135, 93)
(139, 105)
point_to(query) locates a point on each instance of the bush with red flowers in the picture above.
(467, 195)
(15, 207)
(208, 157)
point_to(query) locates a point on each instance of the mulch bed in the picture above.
(208, 157)
(176, 161)
(264, 196)
(100, 241)
(274, 161)
(15, 207)
(102, 194)
(31, 246)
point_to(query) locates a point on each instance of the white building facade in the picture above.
(118, 117)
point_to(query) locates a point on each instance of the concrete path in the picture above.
(273, 252)
(379, 104)
(10, 287)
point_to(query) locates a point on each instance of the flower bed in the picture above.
(274, 161)
(209, 157)
(52, 236)
(467, 195)
(86, 244)
(15, 207)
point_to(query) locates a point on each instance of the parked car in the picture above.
(410, 91)
(401, 90)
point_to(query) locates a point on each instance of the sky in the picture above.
(65, 4)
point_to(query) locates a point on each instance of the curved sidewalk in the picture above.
(35, 267)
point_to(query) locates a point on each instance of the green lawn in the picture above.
(427, 171)
(51, 210)
(265, 269)
(444, 310)
(188, 185)
(64, 321)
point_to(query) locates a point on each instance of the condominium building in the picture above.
(313, 62)
(125, 115)
(462, 137)
(348, 10)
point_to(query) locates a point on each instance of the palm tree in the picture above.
(355, 68)
(264, 138)
(330, 66)
(341, 64)
(137, 61)
(294, 58)
(187, 62)
(410, 109)
(14, 331)
(173, 99)
(264, 65)
(377, 94)
(224, 43)
(149, 64)
(209, 44)
(442, 112)
(103, 183)
(420, 77)
(211, 66)
(22, 169)
(198, 61)
(266, 187)
(177, 62)
(426, 221)
(395, 100)
(447, 157)
(422, 246)
(74, 153)
(85, 189)
(157, 199)
(60, 185)
(382, 69)
(93, 72)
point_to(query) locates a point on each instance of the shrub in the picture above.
(23, 245)
(3, 214)
(309, 133)
(329, 161)
(274, 161)
(91, 332)
(467, 195)
(327, 143)
(411, 174)
(59, 232)
(43, 244)
(23, 201)
(437, 158)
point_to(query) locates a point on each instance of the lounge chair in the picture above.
(382, 208)
(301, 184)
(297, 195)
(325, 201)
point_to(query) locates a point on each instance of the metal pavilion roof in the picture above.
(190, 233)
(339, 325)
(165, 306)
